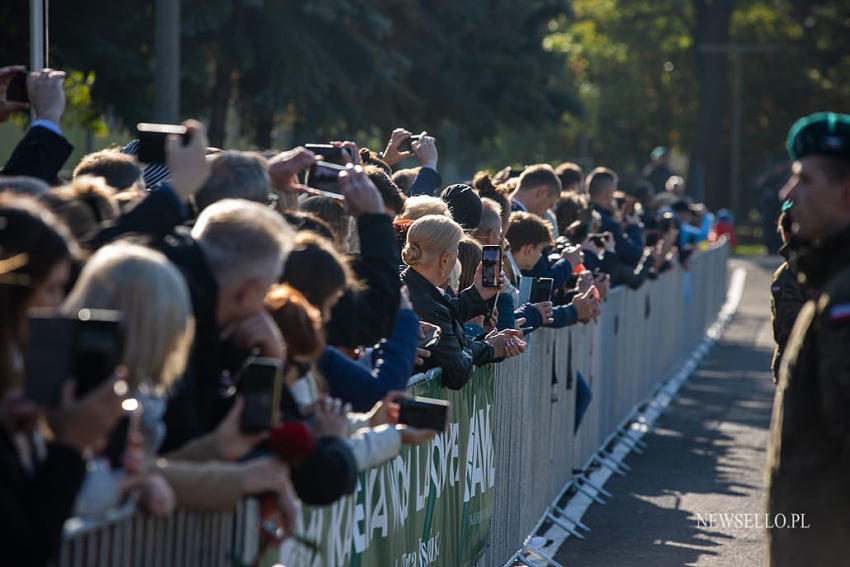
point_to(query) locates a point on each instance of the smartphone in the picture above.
(492, 265)
(324, 175)
(16, 91)
(424, 413)
(152, 140)
(432, 337)
(331, 153)
(404, 146)
(599, 239)
(541, 290)
(260, 386)
(86, 347)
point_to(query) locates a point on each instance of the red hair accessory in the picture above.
(291, 441)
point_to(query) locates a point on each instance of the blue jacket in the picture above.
(357, 385)
(533, 318)
(564, 316)
(689, 234)
(560, 271)
(629, 247)
(508, 315)
(426, 182)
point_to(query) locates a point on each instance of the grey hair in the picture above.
(242, 241)
(235, 175)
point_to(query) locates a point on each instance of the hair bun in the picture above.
(411, 254)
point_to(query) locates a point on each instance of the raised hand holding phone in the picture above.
(186, 158)
(478, 281)
(361, 195)
(285, 167)
(394, 153)
(13, 90)
(491, 262)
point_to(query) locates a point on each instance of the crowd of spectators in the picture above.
(217, 262)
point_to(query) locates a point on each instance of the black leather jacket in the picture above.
(454, 353)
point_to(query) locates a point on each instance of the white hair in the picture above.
(243, 241)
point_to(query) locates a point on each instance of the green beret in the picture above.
(824, 133)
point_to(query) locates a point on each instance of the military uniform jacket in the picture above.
(808, 460)
(786, 300)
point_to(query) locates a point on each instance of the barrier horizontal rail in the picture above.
(640, 337)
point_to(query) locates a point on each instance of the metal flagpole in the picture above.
(46, 26)
(37, 35)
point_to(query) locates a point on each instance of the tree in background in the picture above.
(645, 80)
(498, 82)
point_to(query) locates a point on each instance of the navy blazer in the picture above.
(427, 182)
(41, 154)
(629, 249)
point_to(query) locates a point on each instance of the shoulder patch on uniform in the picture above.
(840, 313)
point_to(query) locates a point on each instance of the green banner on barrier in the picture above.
(430, 506)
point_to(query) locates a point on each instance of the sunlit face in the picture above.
(527, 257)
(447, 262)
(544, 201)
(820, 202)
(51, 292)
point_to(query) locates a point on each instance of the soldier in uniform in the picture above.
(786, 293)
(808, 460)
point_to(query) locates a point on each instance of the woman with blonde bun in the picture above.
(431, 253)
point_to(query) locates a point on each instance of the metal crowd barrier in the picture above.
(128, 538)
(641, 336)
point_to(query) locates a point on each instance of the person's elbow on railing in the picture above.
(535, 315)
(456, 365)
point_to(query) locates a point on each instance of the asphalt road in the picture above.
(706, 456)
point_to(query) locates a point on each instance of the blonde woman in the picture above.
(158, 327)
(431, 253)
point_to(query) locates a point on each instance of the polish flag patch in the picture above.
(840, 313)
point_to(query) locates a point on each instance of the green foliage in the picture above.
(114, 40)
(501, 81)
(631, 65)
(466, 71)
(78, 103)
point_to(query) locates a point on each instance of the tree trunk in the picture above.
(709, 169)
(220, 101)
(263, 126)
